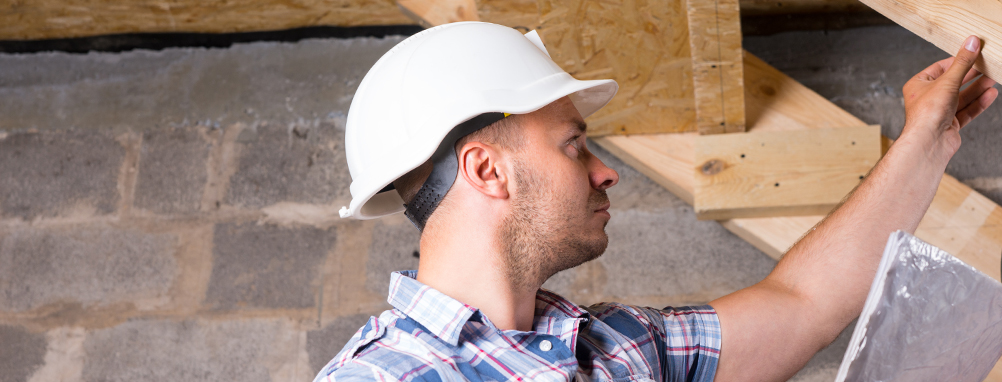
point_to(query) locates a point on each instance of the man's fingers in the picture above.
(963, 62)
(935, 70)
(970, 76)
(974, 91)
(975, 108)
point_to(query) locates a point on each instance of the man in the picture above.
(482, 137)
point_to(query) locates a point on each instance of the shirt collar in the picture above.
(445, 316)
(549, 304)
(442, 315)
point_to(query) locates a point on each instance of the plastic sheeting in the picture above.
(928, 317)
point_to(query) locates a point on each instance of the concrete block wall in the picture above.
(172, 215)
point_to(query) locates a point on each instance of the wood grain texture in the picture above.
(947, 24)
(781, 173)
(717, 70)
(642, 44)
(429, 13)
(45, 19)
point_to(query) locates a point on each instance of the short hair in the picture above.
(505, 133)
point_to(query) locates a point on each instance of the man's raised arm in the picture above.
(771, 329)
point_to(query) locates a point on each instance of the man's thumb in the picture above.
(964, 61)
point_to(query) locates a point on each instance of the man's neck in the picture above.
(471, 270)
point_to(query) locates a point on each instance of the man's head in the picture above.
(535, 175)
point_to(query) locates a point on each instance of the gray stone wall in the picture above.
(171, 215)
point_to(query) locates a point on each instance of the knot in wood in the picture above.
(712, 167)
(767, 90)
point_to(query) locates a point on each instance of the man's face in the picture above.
(559, 207)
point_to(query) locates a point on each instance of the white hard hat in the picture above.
(436, 80)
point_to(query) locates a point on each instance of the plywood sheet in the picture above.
(717, 70)
(781, 173)
(642, 44)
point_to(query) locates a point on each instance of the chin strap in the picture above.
(445, 165)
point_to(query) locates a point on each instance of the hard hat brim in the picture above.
(587, 96)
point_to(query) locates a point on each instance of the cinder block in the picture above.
(395, 241)
(92, 265)
(172, 170)
(46, 173)
(21, 353)
(266, 266)
(191, 350)
(303, 163)
(667, 252)
(324, 344)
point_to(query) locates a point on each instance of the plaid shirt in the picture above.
(432, 337)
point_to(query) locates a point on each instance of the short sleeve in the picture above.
(686, 340)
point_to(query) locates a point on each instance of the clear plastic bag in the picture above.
(928, 317)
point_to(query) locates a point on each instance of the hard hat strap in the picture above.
(444, 170)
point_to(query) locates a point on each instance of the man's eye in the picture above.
(576, 141)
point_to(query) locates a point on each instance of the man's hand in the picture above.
(936, 109)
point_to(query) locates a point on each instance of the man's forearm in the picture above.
(834, 264)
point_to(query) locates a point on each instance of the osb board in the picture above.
(780, 173)
(642, 44)
(46, 19)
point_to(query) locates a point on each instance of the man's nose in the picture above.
(601, 176)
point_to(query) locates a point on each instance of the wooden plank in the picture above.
(429, 13)
(947, 24)
(786, 7)
(717, 70)
(781, 173)
(46, 19)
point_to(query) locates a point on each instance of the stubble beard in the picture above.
(542, 235)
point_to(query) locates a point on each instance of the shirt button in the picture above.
(545, 345)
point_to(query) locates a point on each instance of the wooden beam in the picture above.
(429, 13)
(781, 173)
(47, 19)
(947, 25)
(717, 70)
(960, 220)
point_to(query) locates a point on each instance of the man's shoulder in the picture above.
(384, 349)
(637, 322)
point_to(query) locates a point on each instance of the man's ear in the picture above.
(481, 165)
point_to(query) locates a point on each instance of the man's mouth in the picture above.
(601, 200)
